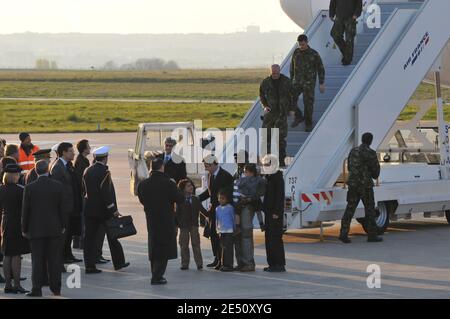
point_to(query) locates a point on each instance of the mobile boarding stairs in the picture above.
(368, 96)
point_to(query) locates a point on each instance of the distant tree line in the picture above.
(143, 65)
(44, 64)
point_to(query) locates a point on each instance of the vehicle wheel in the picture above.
(447, 215)
(382, 218)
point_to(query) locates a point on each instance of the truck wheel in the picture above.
(447, 215)
(382, 218)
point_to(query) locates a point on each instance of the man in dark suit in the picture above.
(174, 165)
(218, 179)
(158, 194)
(81, 164)
(273, 208)
(43, 223)
(62, 170)
(101, 205)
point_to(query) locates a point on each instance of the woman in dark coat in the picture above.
(13, 243)
(158, 194)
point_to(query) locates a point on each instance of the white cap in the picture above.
(101, 151)
(55, 147)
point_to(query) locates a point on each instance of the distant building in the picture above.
(254, 29)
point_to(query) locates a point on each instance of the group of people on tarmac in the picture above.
(227, 220)
(49, 205)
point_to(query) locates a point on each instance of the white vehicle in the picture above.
(150, 138)
(368, 96)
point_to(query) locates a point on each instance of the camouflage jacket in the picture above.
(305, 66)
(277, 98)
(363, 167)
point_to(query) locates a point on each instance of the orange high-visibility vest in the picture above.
(26, 162)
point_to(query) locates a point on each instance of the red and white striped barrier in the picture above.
(317, 197)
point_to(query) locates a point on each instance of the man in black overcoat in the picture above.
(158, 194)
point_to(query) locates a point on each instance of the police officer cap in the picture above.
(12, 168)
(43, 152)
(101, 151)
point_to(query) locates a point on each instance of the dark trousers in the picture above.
(67, 245)
(46, 253)
(215, 240)
(91, 244)
(346, 45)
(354, 196)
(308, 91)
(274, 241)
(158, 269)
(226, 252)
(99, 240)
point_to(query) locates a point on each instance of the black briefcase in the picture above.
(207, 229)
(120, 227)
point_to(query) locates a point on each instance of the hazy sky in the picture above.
(142, 16)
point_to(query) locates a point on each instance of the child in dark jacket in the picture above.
(187, 215)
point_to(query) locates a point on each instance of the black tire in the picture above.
(382, 217)
(447, 215)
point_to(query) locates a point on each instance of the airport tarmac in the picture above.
(414, 258)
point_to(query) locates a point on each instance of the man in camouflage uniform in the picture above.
(344, 14)
(306, 65)
(276, 97)
(363, 167)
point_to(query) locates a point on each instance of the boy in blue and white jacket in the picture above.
(225, 220)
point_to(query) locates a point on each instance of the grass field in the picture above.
(46, 116)
(194, 84)
(233, 84)
(57, 116)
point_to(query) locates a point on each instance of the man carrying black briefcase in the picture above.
(101, 206)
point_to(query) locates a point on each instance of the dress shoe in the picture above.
(345, 239)
(9, 290)
(34, 294)
(72, 260)
(125, 265)
(247, 269)
(184, 267)
(92, 271)
(297, 122)
(374, 239)
(20, 290)
(218, 266)
(200, 267)
(76, 260)
(226, 269)
(213, 264)
(161, 281)
(102, 260)
(275, 269)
